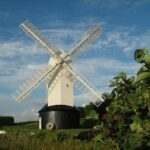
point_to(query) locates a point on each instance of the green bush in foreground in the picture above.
(127, 121)
(126, 124)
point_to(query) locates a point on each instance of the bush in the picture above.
(86, 135)
(61, 136)
(127, 120)
(6, 120)
(89, 123)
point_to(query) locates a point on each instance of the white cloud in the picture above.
(18, 48)
(112, 4)
(20, 68)
(123, 39)
(100, 71)
(12, 77)
(81, 100)
(28, 115)
(3, 97)
(19, 59)
(25, 111)
(105, 63)
(66, 37)
(139, 3)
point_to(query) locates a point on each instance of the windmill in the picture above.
(61, 78)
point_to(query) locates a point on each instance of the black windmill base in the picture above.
(59, 117)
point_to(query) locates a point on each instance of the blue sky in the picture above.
(125, 27)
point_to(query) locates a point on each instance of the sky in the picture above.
(125, 26)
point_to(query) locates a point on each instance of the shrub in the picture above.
(86, 135)
(128, 116)
(61, 136)
(89, 123)
(6, 120)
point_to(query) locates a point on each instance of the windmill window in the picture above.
(67, 85)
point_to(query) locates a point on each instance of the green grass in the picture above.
(28, 137)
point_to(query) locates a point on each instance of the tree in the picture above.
(128, 116)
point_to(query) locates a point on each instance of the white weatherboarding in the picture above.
(60, 74)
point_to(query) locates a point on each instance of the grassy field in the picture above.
(28, 137)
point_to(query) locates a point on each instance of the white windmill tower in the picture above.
(61, 77)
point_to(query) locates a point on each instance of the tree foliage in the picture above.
(127, 120)
(124, 118)
(6, 120)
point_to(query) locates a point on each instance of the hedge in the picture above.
(6, 120)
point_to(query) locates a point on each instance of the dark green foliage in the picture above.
(86, 135)
(82, 112)
(89, 123)
(88, 108)
(61, 136)
(127, 120)
(89, 116)
(92, 111)
(6, 120)
(124, 117)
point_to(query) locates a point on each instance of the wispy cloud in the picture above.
(20, 58)
(19, 48)
(27, 115)
(112, 4)
(139, 3)
(124, 40)
(65, 36)
(4, 14)
(81, 100)
(102, 70)
(25, 111)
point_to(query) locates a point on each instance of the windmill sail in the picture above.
(83, 43)
(60, 61)
(84, 86)
(31, 30)
(23, 91)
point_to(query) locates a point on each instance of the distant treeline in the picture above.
(6, 120)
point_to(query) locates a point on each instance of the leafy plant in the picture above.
(128, 116)
(6, 120)
(61, 136)
(87, 135)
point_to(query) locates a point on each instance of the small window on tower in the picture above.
(67, 85)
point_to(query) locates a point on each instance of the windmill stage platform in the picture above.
(59, 117)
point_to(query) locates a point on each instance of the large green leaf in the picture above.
(135, 127)
(142, 76)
